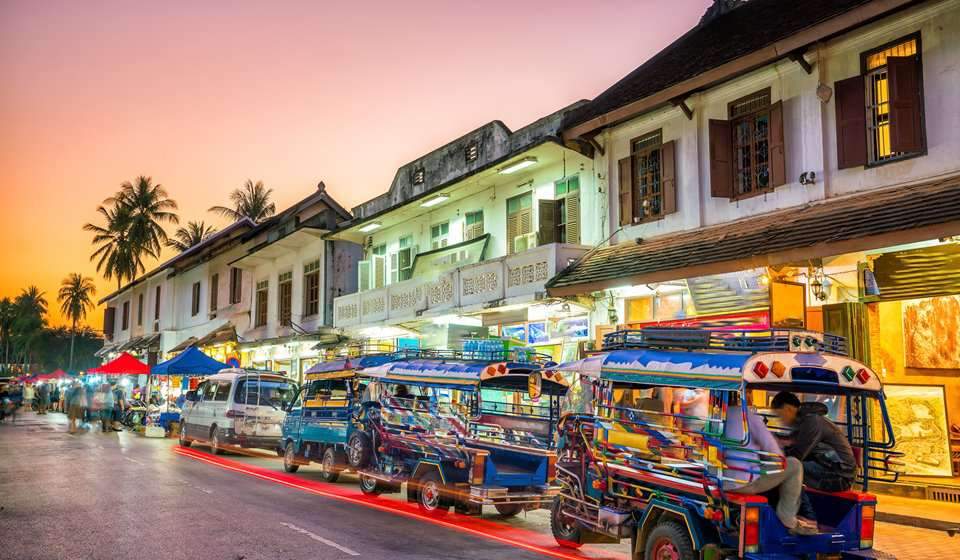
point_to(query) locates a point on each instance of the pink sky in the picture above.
(202, 97)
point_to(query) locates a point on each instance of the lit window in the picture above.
(750, 121)
(878, 101)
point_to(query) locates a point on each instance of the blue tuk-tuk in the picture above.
(461, 431)
(636, 460)
(318, 422)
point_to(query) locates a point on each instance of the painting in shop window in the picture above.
(518, 332)
(931, 328)
(537, 333)
(918, 414)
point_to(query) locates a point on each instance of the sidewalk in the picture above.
(927, 514)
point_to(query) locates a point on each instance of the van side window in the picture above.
(209, 390)
(223, 391)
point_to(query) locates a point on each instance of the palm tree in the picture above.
(76, 298)
(30, 308)
(116, 255)
(150, 207)
(8, 313)
(194, 234)
(250, 201)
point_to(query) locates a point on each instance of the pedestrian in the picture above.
(55, 399)
(119, 406)
(75, 401)
(28, 394)
(106, 408)
(43, 394)
(88, 413)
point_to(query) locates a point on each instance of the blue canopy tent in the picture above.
(189, 362)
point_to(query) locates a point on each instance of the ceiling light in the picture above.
(439, 199)
(518, 165)
(370, 227)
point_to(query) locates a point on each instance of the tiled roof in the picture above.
(859, 222)
(751, 26)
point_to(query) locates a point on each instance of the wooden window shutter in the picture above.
(513, 230)
(778, 157)
(906, 101)
(851, 108)
(668, 176)
(547, 210)
(626, 191)
(109, 320)
(573, 220)
(721, 159)
(526, 221)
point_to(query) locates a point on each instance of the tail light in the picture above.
(863, 375)
(750, 529)
(848, 373)
(551, 467)
(477, 469)
(867, 514)
(778, 369)
(761, 370)
(235, 414)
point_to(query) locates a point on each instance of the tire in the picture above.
(669, 540)
(184, 440)
(566, 533)
(215, 441)
(290, 458)
(508, 510)
(331, 465)
(370, 486)
(430, 498)
(359, 450)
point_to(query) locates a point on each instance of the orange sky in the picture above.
(291, 93)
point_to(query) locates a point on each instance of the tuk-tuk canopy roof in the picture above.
(454, 373)
(728, 371)
(330, 368)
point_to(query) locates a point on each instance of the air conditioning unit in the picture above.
(524, 242)
(405, 258)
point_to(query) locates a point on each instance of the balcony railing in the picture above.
(468, 288)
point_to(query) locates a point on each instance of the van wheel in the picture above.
(359, 450)
(508, 510)
(565, 532)
(430, 495)
(215, 442)
(290, 458)
(331, 465)
(370, 486)
(184, 440)
(669, 541)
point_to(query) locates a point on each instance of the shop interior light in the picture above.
(370, 227)
(517, 165)
(431, 202)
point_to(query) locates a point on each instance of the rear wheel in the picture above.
(370, 486)
(359, 450)
(331, 465)
(565, 531)
(290, 458)
(669, 541)
(215, 442)
(430, 495)
(508, 510)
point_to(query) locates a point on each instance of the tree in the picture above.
(194, 234)
(150, 207)
(30, 308)
(250, 201)
(8, 314)
(76, 299)
(115, 256)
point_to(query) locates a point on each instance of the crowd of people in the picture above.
(88, 406)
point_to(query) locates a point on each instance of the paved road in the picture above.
(100, 496)
(96, 496)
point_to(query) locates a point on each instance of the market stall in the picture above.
(180, 374)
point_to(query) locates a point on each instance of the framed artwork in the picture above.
(788, 304)
(537, 332)
(931, 333)
(918, 414)
(518, 332)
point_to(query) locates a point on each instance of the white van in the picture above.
(237, 407)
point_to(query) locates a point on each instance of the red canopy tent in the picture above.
(58, 374)
(125, 364)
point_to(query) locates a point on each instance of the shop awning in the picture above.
(221, 335)
(125, 364)
(859, 222)
(184, 345)
(107, 348)
(139, 343)
(189, 362)
(56, 374)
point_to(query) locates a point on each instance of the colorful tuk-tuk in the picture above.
(318, 422)
(631, 464)
(461, 431)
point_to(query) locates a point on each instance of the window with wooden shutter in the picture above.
(778, 156)
(751, 145)
(473, 225)
(893, 98)
(311, 288)
(156, 305)
(140, 310)
(547, 213)
(260, 312)
(668, 171)
(195, 299)
(285, 299)
(721, 156)
(214, 294)
(236, 285)
(109, 320)
(519, 222)
(626, 190)
(572, 219)
(851, 123)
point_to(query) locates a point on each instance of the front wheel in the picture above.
(359, 450)
(290, 458)
(331, 465)
(430, 495)
(370, 486)
(184, 440)
(669, 541)
(565, 531)
(508, 510)
(215, 442)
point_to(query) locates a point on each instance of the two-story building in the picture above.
(465, 239)
(794, 164)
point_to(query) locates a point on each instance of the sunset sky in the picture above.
(202, 96)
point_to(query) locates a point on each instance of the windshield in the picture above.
(265, 392)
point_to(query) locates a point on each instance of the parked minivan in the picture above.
(237, 407)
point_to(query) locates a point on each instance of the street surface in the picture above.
(118, 495)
